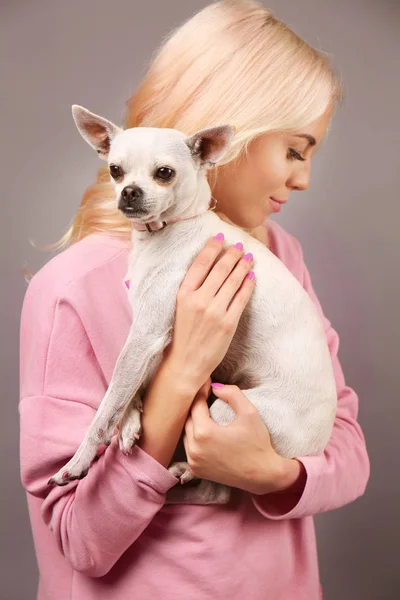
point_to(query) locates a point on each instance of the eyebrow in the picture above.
(311, 140)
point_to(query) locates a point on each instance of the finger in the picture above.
(200, 413)
(187, 437)
(204, 391)
(188, 429)
(241, 298)
(234, 281)
(200, 267)
(186, 444)
(234, 396)
(220, 272)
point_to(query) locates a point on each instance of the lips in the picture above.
(276, 204)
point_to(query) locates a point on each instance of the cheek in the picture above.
(269, 167)
(237, 182)
(275, 172)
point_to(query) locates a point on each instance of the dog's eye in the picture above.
(165, 173)
(115, 171)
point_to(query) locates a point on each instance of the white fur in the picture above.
(278, 356)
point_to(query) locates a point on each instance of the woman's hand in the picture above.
(239, 454)
(210, 302)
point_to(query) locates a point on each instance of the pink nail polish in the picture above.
(217, 385)
(251, 275)
(239, 246)
(127, 283)
(219, 236)
(248, 256)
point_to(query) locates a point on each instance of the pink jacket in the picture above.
(110, 535)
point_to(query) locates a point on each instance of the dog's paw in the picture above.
(182, 471)
(221, 412)
(206, 492)
(74, 469)
(130, 430)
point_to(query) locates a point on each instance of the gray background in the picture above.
(93, 52)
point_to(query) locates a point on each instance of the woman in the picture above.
(111, 534)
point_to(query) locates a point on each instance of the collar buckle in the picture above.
(150, 230)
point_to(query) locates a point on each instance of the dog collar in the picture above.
(159, 224)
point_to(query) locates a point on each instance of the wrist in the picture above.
(184, 383)
(292, 476)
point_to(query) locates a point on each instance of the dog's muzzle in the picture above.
(130, 201)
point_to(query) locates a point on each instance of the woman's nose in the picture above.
(300, 179)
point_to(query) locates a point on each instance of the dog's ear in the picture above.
(97, 131)
(209, 145)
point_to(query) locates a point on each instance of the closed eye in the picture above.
(294, 155)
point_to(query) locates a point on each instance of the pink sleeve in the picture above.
(339, 475)
(96, 519)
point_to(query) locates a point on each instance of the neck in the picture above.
(259, 233)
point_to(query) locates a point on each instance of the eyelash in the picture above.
(293, 155)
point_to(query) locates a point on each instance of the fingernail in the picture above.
(217, 385)
(248, 256)
(251, 275)
(239, 246)
(127, 283)
(219, 236)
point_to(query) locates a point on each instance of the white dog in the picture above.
(278, 356)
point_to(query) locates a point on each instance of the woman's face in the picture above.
(260, 184)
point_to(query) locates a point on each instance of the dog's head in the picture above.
(155, 170)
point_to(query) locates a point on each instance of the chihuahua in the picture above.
(278, 356)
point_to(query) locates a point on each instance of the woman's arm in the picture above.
(166, 407)
(61, 386)
(63, 350)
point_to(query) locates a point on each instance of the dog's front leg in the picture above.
(139, 353)
(130, 426)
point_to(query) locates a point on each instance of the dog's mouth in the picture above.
(133, 213)
(140, 215)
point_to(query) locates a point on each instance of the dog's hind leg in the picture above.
(296, 428)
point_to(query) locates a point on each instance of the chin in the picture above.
(258, 220)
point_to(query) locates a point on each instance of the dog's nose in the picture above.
(131, 194)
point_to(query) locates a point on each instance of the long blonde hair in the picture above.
(232, 62)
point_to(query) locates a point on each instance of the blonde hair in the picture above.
(232, 62)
